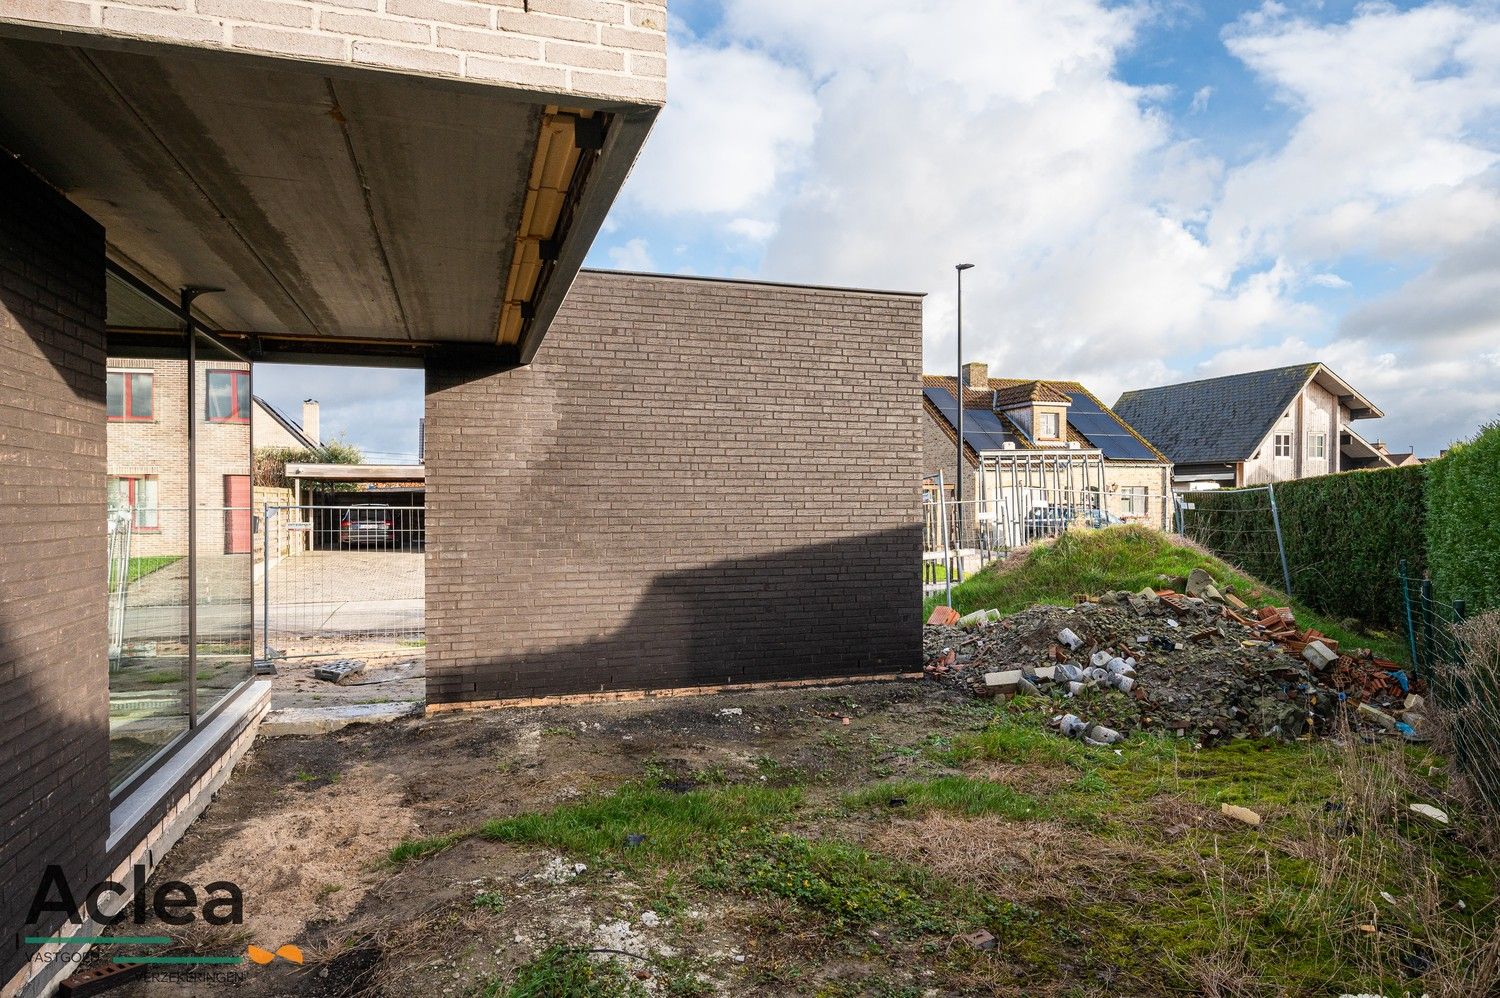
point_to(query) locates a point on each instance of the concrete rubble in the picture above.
(1206, 666)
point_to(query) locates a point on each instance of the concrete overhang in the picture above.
(347, 207)
(357, 472)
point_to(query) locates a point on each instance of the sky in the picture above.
(1150, 191)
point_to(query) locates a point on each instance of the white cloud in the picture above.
(634, 255)
(878, 142)
(735, 126)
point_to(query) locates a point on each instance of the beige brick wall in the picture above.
(159, 447)
(606, 49)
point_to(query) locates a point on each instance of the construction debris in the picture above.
(1238, 813)
(1207, 666)
(339, 672)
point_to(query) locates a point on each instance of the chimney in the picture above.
(310, 421)
(977, 376)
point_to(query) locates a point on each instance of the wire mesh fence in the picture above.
(1245, 532)
(335, 577)
(961, 537)
(1460, 658)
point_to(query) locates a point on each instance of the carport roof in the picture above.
(357, 472)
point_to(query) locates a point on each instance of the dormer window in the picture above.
(1049, 426)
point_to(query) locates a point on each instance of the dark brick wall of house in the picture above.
(54, 726)
(696, 483)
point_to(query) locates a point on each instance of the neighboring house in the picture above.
(147, 412)
(1255, 428)
(1033, 445)
(273, 428)
(1404, 459)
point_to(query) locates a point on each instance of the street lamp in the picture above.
(958, 486)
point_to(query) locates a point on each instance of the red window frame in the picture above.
(127, 394)
(234, 397)
(131, 482)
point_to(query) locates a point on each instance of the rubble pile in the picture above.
(1198, 662)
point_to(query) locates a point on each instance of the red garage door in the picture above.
(236, 514)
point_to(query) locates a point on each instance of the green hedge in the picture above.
(1463, 522)
(1345, 535)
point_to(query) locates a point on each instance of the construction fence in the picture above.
(339, 578)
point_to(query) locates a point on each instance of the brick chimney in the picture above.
(310, 421)
(977, 376)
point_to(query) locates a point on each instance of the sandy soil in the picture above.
(305, 823)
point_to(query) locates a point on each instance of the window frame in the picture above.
(234, 396)
(127, 396)
(1277, 439)
(1130, 495)
(1321, 450)
(1055, 433)
(132, 483)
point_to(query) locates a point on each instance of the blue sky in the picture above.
(1150, 191)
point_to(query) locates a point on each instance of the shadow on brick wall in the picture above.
(844, 608)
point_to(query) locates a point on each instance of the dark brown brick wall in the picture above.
(54, 726)
(697, 482)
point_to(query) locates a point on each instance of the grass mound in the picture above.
(1091, 562)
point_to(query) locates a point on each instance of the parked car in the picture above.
(1049, 521)
(366, 524)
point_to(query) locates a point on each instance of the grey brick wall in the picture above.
(697, 482)
(54, 726)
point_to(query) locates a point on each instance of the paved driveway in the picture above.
(347, 592)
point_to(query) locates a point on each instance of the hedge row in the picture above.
(1344, 534)
(1463, 522)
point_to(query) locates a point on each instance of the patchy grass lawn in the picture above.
(139, 568)
(667, 849)
(1091, 562)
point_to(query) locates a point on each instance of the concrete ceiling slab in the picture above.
(357, 207)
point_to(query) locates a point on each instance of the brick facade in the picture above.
(54, 728)
(606, 49)
(696, 483)
(158, 448)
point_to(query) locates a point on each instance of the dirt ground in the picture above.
(899, 840)
(305, 823)
(391, 675)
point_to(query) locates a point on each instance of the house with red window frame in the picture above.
(147, 407)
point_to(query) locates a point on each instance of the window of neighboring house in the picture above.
(128, 396)
(1282, 446)
(1133, 500)
(1317, 445)
(137, 493)
(1049, 426)
(229, 396)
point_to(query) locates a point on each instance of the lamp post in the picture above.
(958, 478)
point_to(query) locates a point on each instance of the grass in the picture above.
(952, 794)
(139, 568)
(418, 848)
(1130, 558)
(674, 825)
(850, 886)
(564, 972)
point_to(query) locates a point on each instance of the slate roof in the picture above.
(984, 399)
(1217, 419)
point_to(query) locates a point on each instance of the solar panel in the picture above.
(983, 430)
(1105, 431)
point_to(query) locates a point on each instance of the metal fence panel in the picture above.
(335, 576)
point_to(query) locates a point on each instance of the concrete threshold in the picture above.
(323, 720)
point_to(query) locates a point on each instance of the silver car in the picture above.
(365, 525)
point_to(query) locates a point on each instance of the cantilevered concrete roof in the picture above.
(384, 184)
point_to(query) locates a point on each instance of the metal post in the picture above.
(1411, 631)
(1424, 593)
(265, 583)
(1286, 572)
(943, 529)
